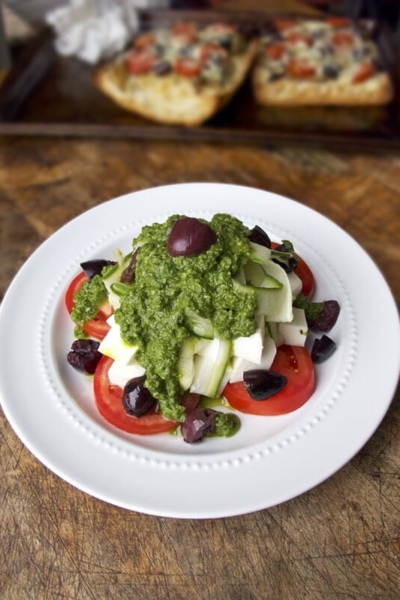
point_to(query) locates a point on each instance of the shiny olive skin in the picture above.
(322, 349)
(95, 267)
(258, 236)
(190, 237)
(137, 399)
(262, 384)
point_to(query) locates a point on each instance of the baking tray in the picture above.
(49, 95)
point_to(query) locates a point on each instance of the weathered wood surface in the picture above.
(340, 540)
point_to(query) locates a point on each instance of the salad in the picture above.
(201, 321)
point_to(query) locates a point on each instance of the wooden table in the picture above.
(340, 540)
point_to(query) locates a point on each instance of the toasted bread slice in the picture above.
(320, 63)
(173, 98)
(377, 90)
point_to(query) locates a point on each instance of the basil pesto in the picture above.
(152, 312)
(87, 303)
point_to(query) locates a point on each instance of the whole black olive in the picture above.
(190, 237)
(258, 236)
(84, 355)
(263, 384)
(95, 267)
(137, 399)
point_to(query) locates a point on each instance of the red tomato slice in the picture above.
(144, 40)
(141, 61)
(186, 31)
(365, 71)
(212, 49)
(275, 51)
(294, 363)
(188, 67)
(304, 272)
(74, 286)
(338, 21)
(109, 403)
(343, 40)
(222, 28)
(296, 38)
(284, 24)
(300, 69)
(307, 278)
(98, 327)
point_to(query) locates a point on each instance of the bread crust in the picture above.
(375, 91)
(172, 99)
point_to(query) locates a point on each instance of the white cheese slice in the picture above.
(119, 374)
(114, 346)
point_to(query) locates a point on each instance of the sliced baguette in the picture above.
(172, 99)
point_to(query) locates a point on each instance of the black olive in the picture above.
(331, 71)
(328, 317)
(95, 267)
(190, 237)
(198, 423)
(128, 275)
(137, 399)
(84, 355)
(275, 76)
(322, 349)
(258, 236)
(162, 68)
(263, 384)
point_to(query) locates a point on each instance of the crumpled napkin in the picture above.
(93, 30)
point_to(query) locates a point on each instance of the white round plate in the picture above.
(272, 459)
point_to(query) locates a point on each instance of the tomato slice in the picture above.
(98, 327)
(365, 71)
(186, 31)
(275, 50)
(285, 24)
(188, 67)
(296, 365)
(140, 62)
(300, 69)
(338, 21)
(109, 403)
(74, 287)
(144, 40)
(304, 272)
(343, 40)
(300, 38)
(212, 49)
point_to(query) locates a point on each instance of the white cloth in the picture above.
(94, 30)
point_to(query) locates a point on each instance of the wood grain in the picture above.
(340, 540)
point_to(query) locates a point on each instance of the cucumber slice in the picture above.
(208, 372)
(200, 326)
(190, 347)
(257, 277)
(113, 278)
(260, 254)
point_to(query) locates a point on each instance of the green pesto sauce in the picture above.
(227, 424)
(87, 303)
(152, 313)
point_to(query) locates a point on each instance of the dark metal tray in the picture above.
(49, 95)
